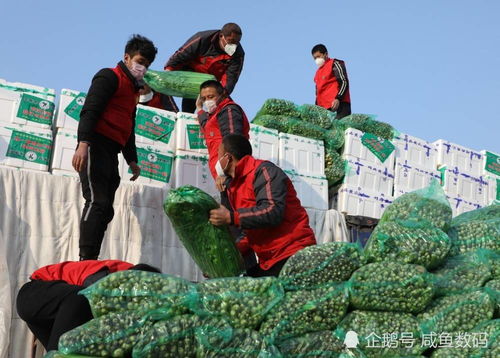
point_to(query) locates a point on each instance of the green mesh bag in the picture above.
(366, 123)
(492, 288)
(317, 115)
(457, 313)
(391, 286)
(242, 301)
(334, 167)
(137, 290)
(279, 107)
(211, 247)
(317, 265)
(411, 242)
(476, 229)
(57, 354)
(177, 83)
(375, 330)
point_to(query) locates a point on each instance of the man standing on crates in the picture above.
(106, 128)
(332, 83)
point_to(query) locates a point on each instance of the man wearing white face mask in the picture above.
(217, 52)
(332, 83)
(106, 128)
(148, 97)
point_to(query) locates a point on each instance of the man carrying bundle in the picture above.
(216, 52)
(151, 98)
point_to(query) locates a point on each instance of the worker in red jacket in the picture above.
(50, 303)
(151, 98)
(264, 204)
(217, 52)
(332, 83)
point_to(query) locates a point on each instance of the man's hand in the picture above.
(219, 183)
(136, 170)
(220, 216)
(80, 157)
(199, 104)
(335, 104)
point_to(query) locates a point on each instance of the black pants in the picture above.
(343, 110)
(99, 183)
(51, 308)
(188, 105)
(275, 270)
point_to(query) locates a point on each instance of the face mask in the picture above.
(209, 105)
(138, 71)
(230, 49)
(143, 98)
(219, 169)
(320, 61)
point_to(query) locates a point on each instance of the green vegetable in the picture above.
(177, 83)
(391, 286)
(334, 167)
(492, 288)
(137, 290)
(317, 115)
(212, 247)
(279, 107)
(57, 354)
(317, 265)
(367, 123)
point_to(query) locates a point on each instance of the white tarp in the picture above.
(39, 225)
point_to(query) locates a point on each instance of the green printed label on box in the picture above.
(195, 137)
(381, 148)
(151, 125)
(75, 106)
(492, 163)
(29, 147)
(36, 109)
(154, 165)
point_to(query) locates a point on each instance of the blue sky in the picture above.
(431, 68)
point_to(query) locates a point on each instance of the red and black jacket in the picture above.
(265, 205)
(76, 272)
(331, 83)
(109, 110)
(202, 53)
(162, 101)
(228, 118)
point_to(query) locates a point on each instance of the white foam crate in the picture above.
(311, 191)
(493, 189)
(456, 156)
(354, 148)
(25, 147)
(491, 163)
(302, 155)
(65, 143)
(460, 206)
(26, 104)
(188, 134)
(265, 143)
(356, 202)
(156, 166)
(463, 185)
(368, 176)
(409, 177)
(192, 169)
(415, 151)
(155, 127)
(70, 106)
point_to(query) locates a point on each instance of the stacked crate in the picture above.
(491, 171)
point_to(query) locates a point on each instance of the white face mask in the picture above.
(138, 71)
(209, 105)
(320, 61)
(219, 170)
(143, 98)
(230, 49)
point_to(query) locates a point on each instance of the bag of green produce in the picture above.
(391, 286)
(242, 301)
(177, 83)
(383, 334)
(409, 241)
(57, 354)
(457, 313)
(476, 229)
(316, 115)
(211, 247)
(468, 271)
(428, 205)
(305, 311)
(279, 107)
(137, 290)
(492, 288)
(334, 137)
(367, 123)
(334, 167)
(315, 266)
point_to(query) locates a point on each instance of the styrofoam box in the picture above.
(460, 206)
(155, 127)
(192, 168)
(410, 177)
(354, 148)
(368, 176)
(493, 189)
(302, 155)
(25, 147)
(70, 106)
(462, 185)
(415, 151)
(65, 143)
(26, 104)
(353, 201)
(265, 143)
(455, 156)
(188, 133)
(491, 163)
(311, 191)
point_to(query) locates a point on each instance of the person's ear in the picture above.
(126, 58)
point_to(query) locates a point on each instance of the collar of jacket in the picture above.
(137, 84)
(244, 167)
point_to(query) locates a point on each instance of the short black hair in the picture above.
(319, 48)
(237, 145)
(231, 28)
(138, 44)
(145, 267)
(214, 84)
